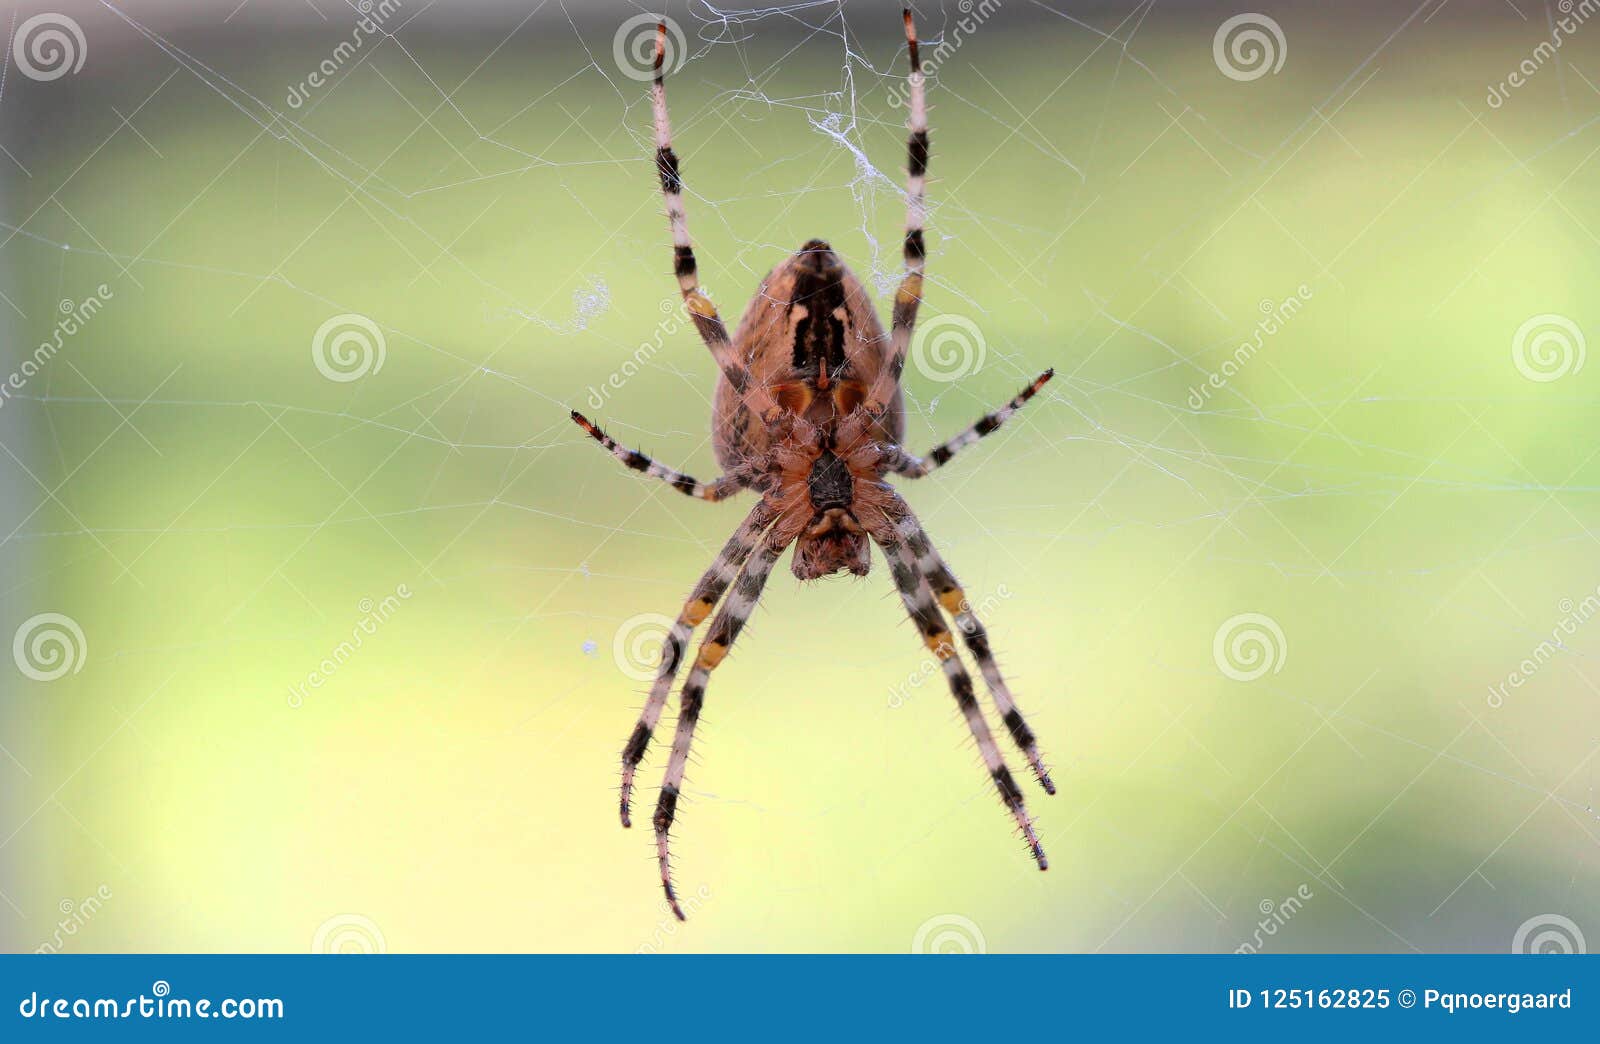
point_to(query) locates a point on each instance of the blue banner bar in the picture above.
(792, 998)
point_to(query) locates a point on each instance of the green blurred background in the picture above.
(1413, 513)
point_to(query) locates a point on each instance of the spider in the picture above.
(808, 413)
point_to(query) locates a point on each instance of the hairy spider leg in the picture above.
(703, 313)
(909, 295)
(730, 619)
(955, 602)
(716, 580)
(924, 612)
(721, 489)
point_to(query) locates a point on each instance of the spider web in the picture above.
(1268, 639)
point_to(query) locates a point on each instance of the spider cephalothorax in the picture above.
(831, 477)
(807, 413)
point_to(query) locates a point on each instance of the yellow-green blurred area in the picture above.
(1383, 480)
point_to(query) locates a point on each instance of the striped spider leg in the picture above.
(917, 595)
(716, 580)
(954, 601)
(704, 314)
(903, 463)
(725, 627)
(723, 488)
(909, 295)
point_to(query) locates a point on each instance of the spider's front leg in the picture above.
(903, 463)
(924, 612)
(707, 592)
(955, 602)
(729, 621)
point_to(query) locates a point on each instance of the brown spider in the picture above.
(808, 413)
